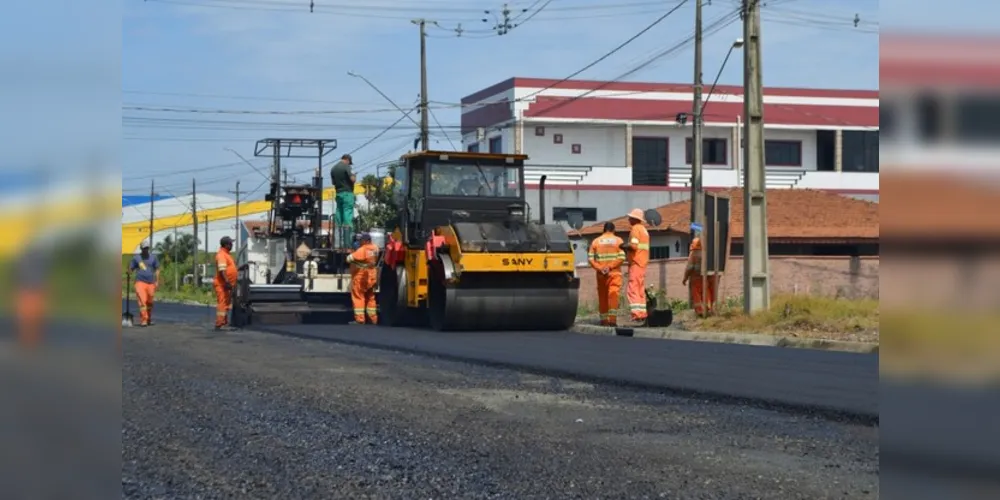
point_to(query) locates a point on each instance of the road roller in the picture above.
(465, 253)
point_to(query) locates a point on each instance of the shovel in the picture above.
(127, 319)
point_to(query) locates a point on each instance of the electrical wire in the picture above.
(252, 112)
(713, 27)
(441, 127)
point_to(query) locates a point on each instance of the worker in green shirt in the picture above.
(343, 182)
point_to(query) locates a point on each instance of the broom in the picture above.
(127, 319)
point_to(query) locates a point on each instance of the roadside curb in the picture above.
(735, 338)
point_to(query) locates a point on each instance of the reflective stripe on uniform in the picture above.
(607, 257)
(359, 311)
(643, 246)
(637, 307)
(372, 310)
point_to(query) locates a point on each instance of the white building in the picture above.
(608, 147)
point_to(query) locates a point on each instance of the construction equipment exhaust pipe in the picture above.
(541, 199)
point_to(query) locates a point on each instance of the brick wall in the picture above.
(828, 276)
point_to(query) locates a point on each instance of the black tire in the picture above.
(437, 299)
(241, 315)
(393, 310)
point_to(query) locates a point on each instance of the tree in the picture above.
(380, 211)
(183, 246)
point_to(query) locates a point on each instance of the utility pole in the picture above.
(194, 222)
(697, 189)
(756, 278)
(177, 268)
(424, 121)
(206, 240)
(152, 195)
(239, 229)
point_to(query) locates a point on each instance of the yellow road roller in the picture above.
(466, 255)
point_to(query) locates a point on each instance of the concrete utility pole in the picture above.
(424, 119)
(177, 268)
(152, 196)
(206, 238)
(756, 279)
(194, 222)
(239, 229)
(697, 189)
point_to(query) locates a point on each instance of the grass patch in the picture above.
(943, 344)
(796, 316)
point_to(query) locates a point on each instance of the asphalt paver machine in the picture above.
(291, 270)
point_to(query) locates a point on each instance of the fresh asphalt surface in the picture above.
(815, 380)
(252, 414)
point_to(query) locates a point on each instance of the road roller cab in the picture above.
(465, 254)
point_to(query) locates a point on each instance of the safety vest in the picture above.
(638, 239)
(224, 262)
(364, 258)
(606, 253)
(694, 256)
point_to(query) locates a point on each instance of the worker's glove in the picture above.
(605, 271)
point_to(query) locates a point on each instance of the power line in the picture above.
(714, 27)
(172, 109)
(438, 123)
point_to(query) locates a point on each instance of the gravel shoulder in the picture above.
(253, 415)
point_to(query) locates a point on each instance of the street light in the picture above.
(737, 44)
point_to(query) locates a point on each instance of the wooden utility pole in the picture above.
(756, 279)
(152, 196)
(194, 222)
(697, 190)
(424, 119)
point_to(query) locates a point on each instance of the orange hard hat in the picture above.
(636, 214)
(696, 244)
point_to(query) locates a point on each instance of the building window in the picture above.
(860, 151)
(783, 153)
(930, 118)
(659, 252)
(826, 150)
(496, 144)
(887, 118)
(713, 152)
(571, 214)
(473, 148)
(976, 118)
(650, 161)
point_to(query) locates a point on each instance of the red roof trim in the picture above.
(657, 110)
(675, 189)
(671, 87)
(490, 91)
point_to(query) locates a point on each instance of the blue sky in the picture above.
(273, 55)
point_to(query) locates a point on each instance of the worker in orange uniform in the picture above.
(363, 281)
(637, 248)
(607, 257)
(225, 281)
(702, 287)
(32, 273)
(146, 269)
